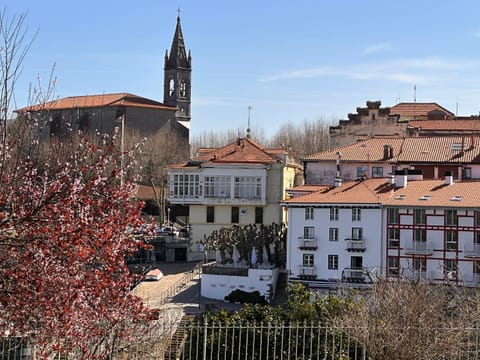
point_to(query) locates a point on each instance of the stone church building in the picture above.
(106, 111)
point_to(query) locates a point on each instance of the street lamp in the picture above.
(168, 216)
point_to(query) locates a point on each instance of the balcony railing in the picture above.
(472, 250)
(356, 275)
(355, 244)
(307, 243)
(307, 272)
(420, 248)
(416, 275)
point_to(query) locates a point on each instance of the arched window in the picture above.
(171, 86)
(183, 88)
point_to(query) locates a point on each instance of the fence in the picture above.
(189, 340)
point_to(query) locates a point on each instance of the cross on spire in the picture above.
(178, 11)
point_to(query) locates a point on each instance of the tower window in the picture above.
(183, 88)
(171, 87)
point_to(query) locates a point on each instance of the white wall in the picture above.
(219, 286)
(371, 223)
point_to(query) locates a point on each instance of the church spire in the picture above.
(178, 54)
(178, 76)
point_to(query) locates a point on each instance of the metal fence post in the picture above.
(205, 339)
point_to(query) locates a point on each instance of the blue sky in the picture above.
(289, 60)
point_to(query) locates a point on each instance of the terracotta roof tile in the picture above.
(417, 109)
(366, 192)
(424, 193)
(438, 149)
(446, 125)
(89, 101)
(446, 149)
(366, 150)
(242, 150)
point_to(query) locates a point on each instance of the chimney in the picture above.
(448, 177)
(401, 178)
(338, 178)
(391, 179)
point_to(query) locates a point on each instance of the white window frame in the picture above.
(357, 233)
(247, 187)
(309, 232)
(332, 262)
(334, 214)
(333, 234)
(356, 214)
(309, 213)
(308, 260)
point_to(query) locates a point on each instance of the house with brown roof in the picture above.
(377, 121)
(404, 228)
(380, 157)
(241, 183)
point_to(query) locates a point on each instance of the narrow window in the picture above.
(356, 214)
(393, 215)
(392, 266)
(333, 214)
(357, 233)
(309, 213)
(235, 213)
(420, 235)
(332, 262)
(393, 238)
(419, 216)
(258, 215)
(309, 232)
(451, 240)
(333, 234)
(210, 214)
(171, 87)
(451, 217)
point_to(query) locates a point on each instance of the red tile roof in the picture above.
(438, 149)
(417, 109)
(90, 101)
(366, 150)
(422, 193)
(446, 125)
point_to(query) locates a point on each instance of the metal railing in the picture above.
(190, 340)
(420, 247)
(304, 242)
(174, 289)
(355, 244)
(307, 270)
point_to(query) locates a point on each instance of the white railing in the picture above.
(307, 242)
(307, 270)
(355, 244)
(420, 247)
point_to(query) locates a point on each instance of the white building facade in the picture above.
(425, 230)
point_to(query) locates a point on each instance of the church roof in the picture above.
(178, 54)
(91, 101)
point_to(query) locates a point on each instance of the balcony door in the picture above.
(356, 262)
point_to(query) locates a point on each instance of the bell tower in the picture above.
(177, 82)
